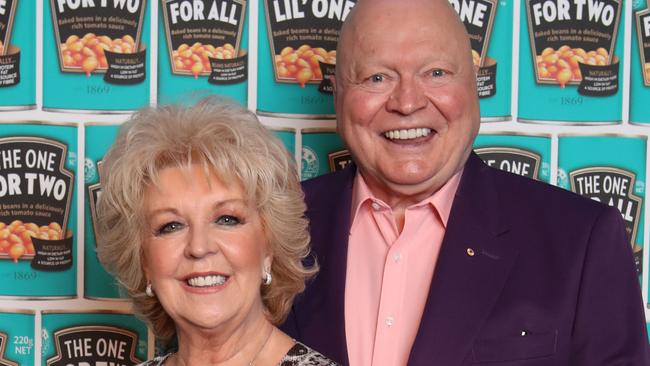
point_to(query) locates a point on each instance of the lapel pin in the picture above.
(470, 252)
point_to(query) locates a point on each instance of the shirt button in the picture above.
(390, 321)
(397, 257)
(376, 206)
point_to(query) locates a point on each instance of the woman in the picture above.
(201, 220)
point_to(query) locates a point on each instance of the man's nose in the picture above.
(199, 244)
(407, 97)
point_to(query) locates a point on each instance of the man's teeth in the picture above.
(411, 133)
(205, 281)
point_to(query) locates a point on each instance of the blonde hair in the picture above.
(229, 141)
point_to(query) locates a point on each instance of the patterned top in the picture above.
(298, 355)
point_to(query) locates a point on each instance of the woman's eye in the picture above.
(169, 227)
(228, 220)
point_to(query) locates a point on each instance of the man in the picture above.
(428, 256)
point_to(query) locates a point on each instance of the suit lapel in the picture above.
(472, 267)
(321, 315)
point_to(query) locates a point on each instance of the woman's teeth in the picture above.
(206, 281)
(411, 133)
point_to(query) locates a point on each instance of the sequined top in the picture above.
(298, 355)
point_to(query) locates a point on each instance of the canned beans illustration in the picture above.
(640, 65)
(489, 26)
(98, 284)
(202, 50)
(522, 154)
(303, 64)
(92, 337)
(37, 218)
(570, 61)
(87, 52)
(196, 58)
(96, 55)
(17, 337)
(322, 152)
(610, 169)
(17, 55)
(297, 56)
(476, 58)
(563, 64)
(16, 238)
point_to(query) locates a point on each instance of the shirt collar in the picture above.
(441, 201)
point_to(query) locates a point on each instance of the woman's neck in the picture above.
(229, 345)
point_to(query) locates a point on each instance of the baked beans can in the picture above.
(640, 68)
(609, 169)
(571, 54)
(202, 49)
(98, 284)
(297, 55)
(322, 152)
(92, 338)
(37, 218)
(17, 337)
(489, 25)
(525, 155)
(95, 55)
(288, 138)
(17, 55)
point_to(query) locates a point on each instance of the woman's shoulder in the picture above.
(157, 361)
(300, 355)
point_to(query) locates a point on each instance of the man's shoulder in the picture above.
(328, 187)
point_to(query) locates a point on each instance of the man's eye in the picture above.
(436, 73)
(377, 78)
(227, 220)
(169, 227)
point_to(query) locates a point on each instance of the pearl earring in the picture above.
(149, 290)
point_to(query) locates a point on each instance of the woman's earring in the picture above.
(149, 290)
(267, 278)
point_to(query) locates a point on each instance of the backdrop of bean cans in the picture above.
(581, 84)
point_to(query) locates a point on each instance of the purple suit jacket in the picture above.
(549, 264)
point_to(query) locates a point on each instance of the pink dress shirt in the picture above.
(389, 273)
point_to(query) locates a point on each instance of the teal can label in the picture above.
(297, 55)
(288, 138)
(82, 339)
(528, 156)
(489, 25)
(17, 338)
(98, 284)
(205, 49)
(17, 55)
(95, 55)
(640, 68)
(571, 52)
(323, 152)
(37, 222)
(611, 170)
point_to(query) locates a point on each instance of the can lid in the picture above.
(318, 130)
(33, 122)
